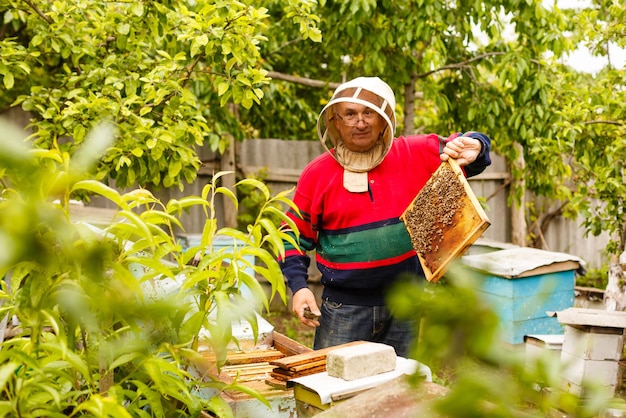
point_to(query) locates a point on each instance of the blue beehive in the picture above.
(523, 285)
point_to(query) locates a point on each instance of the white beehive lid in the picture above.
(523, 262)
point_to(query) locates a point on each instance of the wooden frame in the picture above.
(444, 220)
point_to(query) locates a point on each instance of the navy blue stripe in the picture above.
(366, 288)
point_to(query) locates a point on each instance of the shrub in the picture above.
(89, 336)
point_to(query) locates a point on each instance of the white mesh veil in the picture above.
(382, 101)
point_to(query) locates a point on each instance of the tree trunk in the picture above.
(409, 107)
(615, 293)
(518, 215)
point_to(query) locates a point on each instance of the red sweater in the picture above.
(361, 243)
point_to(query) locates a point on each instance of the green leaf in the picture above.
(123, 28)
(220, 407)
(228, 193)
(124, 359)
(175, 205)
(100, 189)
(137, 9)
(222, 88)
(198, 43)
(141, 229)
(7, 371)
(256, 184)
(8, 80)
(76, 361)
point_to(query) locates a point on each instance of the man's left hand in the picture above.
(463, 149)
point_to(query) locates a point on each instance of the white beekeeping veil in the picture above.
(378, 96)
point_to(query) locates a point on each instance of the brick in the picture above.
(360, 361)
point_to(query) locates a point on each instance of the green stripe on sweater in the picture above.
(368, 245)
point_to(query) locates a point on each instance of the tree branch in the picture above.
(309, 82)
(39, 12)
(323, 84)
(541, 225)
(459, 64)
(605, 122)
(190, 69)
(302, 80)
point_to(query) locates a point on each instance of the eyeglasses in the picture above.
(352, 118)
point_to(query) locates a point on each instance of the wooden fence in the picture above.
(281, 162)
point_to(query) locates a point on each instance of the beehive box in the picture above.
(444, 219)
(523, 285)
(591, 356)
(593, 349)
(546, 346)
(594, 343)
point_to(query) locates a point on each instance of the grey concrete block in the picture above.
(360, 361)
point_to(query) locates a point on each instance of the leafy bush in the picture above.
(597, 278)
(87, 335)
(458, 340)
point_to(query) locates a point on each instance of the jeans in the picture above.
(340, 324)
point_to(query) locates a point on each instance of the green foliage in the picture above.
(110, 316)
(596, 278)
(433, 46)
(599, 167)
(489, 66)
(459, 342)
(252, 201)
(593, 127)
(163, 72)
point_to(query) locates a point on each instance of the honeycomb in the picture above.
(444, 219)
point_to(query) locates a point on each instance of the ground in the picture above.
(288, 324)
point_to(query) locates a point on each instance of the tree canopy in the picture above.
(162, 71)
(491, 66)
(592, 126)
(176, 75)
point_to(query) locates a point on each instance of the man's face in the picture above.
(359, 126)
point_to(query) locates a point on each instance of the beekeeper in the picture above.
(350, 201)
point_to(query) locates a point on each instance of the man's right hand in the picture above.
(301, 300)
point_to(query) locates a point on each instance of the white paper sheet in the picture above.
(328, 387)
